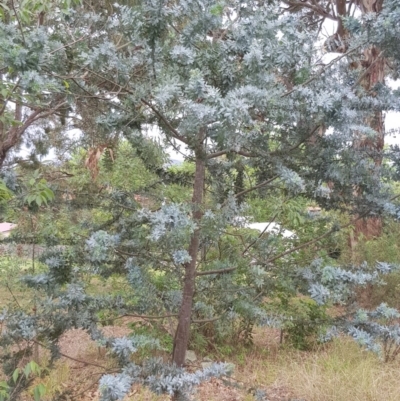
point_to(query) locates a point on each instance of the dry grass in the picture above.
(340, 371)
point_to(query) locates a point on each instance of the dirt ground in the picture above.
(86, 362)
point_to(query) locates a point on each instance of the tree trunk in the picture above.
(373, 73)
(183, 330)
(9, 137)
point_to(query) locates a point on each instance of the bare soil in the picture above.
(87, 362)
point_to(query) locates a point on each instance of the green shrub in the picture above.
(303, 320)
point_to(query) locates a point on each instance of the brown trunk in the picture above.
(2, 157)
(2, 128)
(369, 228)
(342, 12)
(11, 136)
(183, 330)
(374, 73)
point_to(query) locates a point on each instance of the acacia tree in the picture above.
(212, 78)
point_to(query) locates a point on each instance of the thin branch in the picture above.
(277, 152)
(176, 148)
(294, 147)
(263, 184)
(174, 132)
(9, 96)
(12, 294)
(308, 243)
(217, 271)
(69, 44)
(226, 151)
(332, 7)
(315, 7)
(261, 234)
(148, 317)
(105, 79)
(213, 319)
(72, 358)
(18, 20)
(92, 384)
(125, 253)
(325, 67)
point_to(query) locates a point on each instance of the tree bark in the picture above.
(11, 136)
(183, 330)
(373, 64)
(373, 73)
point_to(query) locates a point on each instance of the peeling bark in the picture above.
(374, 73)
(373, 64)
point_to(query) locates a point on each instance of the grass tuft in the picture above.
(341, 372)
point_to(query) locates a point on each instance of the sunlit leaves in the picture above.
(39, 192)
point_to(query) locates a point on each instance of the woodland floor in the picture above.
(340, 371)
(83, 377)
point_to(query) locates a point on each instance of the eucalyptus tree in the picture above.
(227, 84)
(370, 65)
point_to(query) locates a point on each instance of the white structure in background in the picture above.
(6, 228)
(272, 228)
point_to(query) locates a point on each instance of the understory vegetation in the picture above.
(289, 355)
